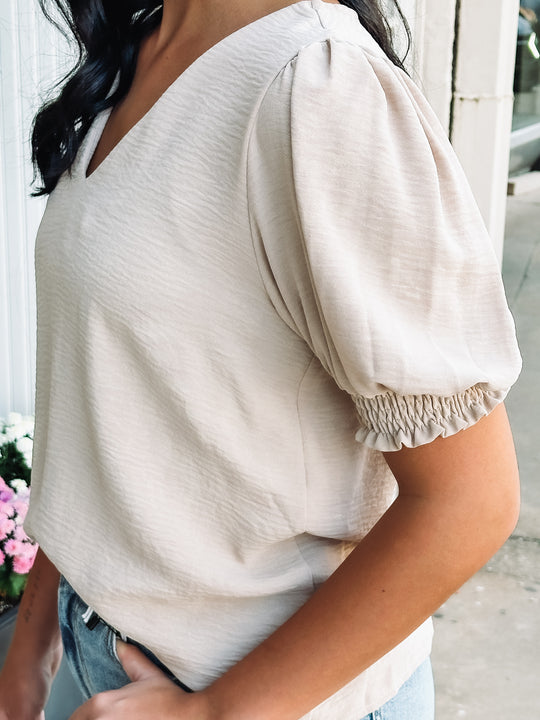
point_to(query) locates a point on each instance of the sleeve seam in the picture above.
(249, 135)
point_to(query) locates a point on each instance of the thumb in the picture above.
(135, 663)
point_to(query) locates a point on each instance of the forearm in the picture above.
(36, 649)
(386, 588)
(420, 552)
(37, 635)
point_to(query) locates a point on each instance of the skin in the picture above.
(36, 649)
(458, 502)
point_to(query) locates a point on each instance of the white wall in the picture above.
(29, 59)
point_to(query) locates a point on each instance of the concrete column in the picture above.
(433, 26)
(464, 61)
(482, 103)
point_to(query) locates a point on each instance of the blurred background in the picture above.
(478, 62)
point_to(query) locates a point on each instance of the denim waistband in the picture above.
(90, 645)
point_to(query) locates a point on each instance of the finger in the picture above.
(135, 663)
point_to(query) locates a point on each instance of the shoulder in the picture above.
(332, 61)
(310, 41)
(340, 91)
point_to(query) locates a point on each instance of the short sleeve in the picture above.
(372, 248)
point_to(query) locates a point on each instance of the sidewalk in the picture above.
(486, 656)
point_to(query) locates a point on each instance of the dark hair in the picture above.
(108, 34)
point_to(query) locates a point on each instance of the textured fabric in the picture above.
(276, 274)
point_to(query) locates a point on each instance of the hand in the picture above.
(149, 695)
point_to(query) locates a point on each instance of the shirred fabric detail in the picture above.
(388, 422)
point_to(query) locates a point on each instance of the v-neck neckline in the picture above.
(93, 136)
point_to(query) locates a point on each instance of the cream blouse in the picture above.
(278, 273)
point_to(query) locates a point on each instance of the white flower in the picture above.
(11, 434)
(26, 426)
(20, 487)
(13, 419)
(24, 445)
(15, 427)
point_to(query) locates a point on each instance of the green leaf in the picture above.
(11, 584)
(12, 463)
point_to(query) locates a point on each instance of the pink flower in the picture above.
(6, 493)
(2, 558)
(19, 534)
(23, 564)
(29, 550)
(7, 526)
(6, 510)
(21, 508)
(14, 548)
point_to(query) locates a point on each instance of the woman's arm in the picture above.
(458, 503)
(36, 649)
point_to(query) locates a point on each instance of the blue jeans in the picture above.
(414, 701)
(90, 649)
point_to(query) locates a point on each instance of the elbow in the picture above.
(509, 508)
(500, 513)
(500, 486)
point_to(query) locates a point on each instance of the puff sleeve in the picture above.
(372, 249)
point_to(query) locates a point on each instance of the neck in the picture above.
(193, 19)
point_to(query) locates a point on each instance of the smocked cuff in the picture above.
(388, 422)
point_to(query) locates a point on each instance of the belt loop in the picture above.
(90, 618)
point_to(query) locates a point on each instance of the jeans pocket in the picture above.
(90, 653)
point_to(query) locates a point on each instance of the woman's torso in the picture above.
(195, 469)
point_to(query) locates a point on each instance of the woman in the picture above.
(267, 307)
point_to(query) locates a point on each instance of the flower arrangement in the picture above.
(17, 551)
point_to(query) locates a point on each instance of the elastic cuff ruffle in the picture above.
(388, 422)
